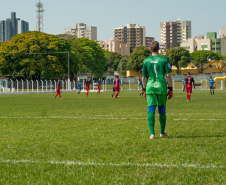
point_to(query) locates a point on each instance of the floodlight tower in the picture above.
(39, 12)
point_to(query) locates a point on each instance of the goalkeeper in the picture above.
(155, 68)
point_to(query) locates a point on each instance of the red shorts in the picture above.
(189, 89)
(87, 88)
(98, 87)
(117, 89)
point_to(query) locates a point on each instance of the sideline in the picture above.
(124, 164)
(109, 117)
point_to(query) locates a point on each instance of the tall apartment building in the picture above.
(222, 33)
(148, 41)
(115, 46)
(22, 26)
(211, 43)
(173, 33)
(131, 34)
(12, 26)
(81, 30)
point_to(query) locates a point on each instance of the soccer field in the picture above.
(102, 140)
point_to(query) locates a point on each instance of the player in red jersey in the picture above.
(98, 85)
(58, 89)
(188, 83)
(117, 83)
(88, 82)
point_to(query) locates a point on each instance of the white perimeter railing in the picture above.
(44, 86)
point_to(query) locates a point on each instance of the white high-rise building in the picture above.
(173, 33)
(132, 34)
(22, 26)
(81, 30)
(11, 27)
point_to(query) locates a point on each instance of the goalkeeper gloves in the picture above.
(144, 90)
(170, 93)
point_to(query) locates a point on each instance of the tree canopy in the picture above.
(178, 57)
(90, 55)
(112, 60)
(137, 57)
(36, 55)
(123, 65)
(200, 58)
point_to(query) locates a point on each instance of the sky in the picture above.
(205, 15)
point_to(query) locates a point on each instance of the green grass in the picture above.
(100, 129)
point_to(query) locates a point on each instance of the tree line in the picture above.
(37, 55)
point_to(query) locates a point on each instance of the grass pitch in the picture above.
(101, 140)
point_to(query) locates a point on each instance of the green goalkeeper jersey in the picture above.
(155, 68)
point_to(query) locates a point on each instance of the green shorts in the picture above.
(156, 99)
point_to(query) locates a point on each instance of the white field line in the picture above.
(186, 119)
(68, 117)
(78, 163)
(109, 117)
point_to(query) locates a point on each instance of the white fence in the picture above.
(44, 86)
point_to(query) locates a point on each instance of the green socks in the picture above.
(151, 122)
(162, 120)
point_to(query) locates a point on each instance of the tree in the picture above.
(137, 57)
(112, 60)
(178, 57)
(200, 58)
(36, 55)
(66, 36)
(91, 56)
(122, 66)
(218, 57)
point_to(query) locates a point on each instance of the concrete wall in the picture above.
(198, 77)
